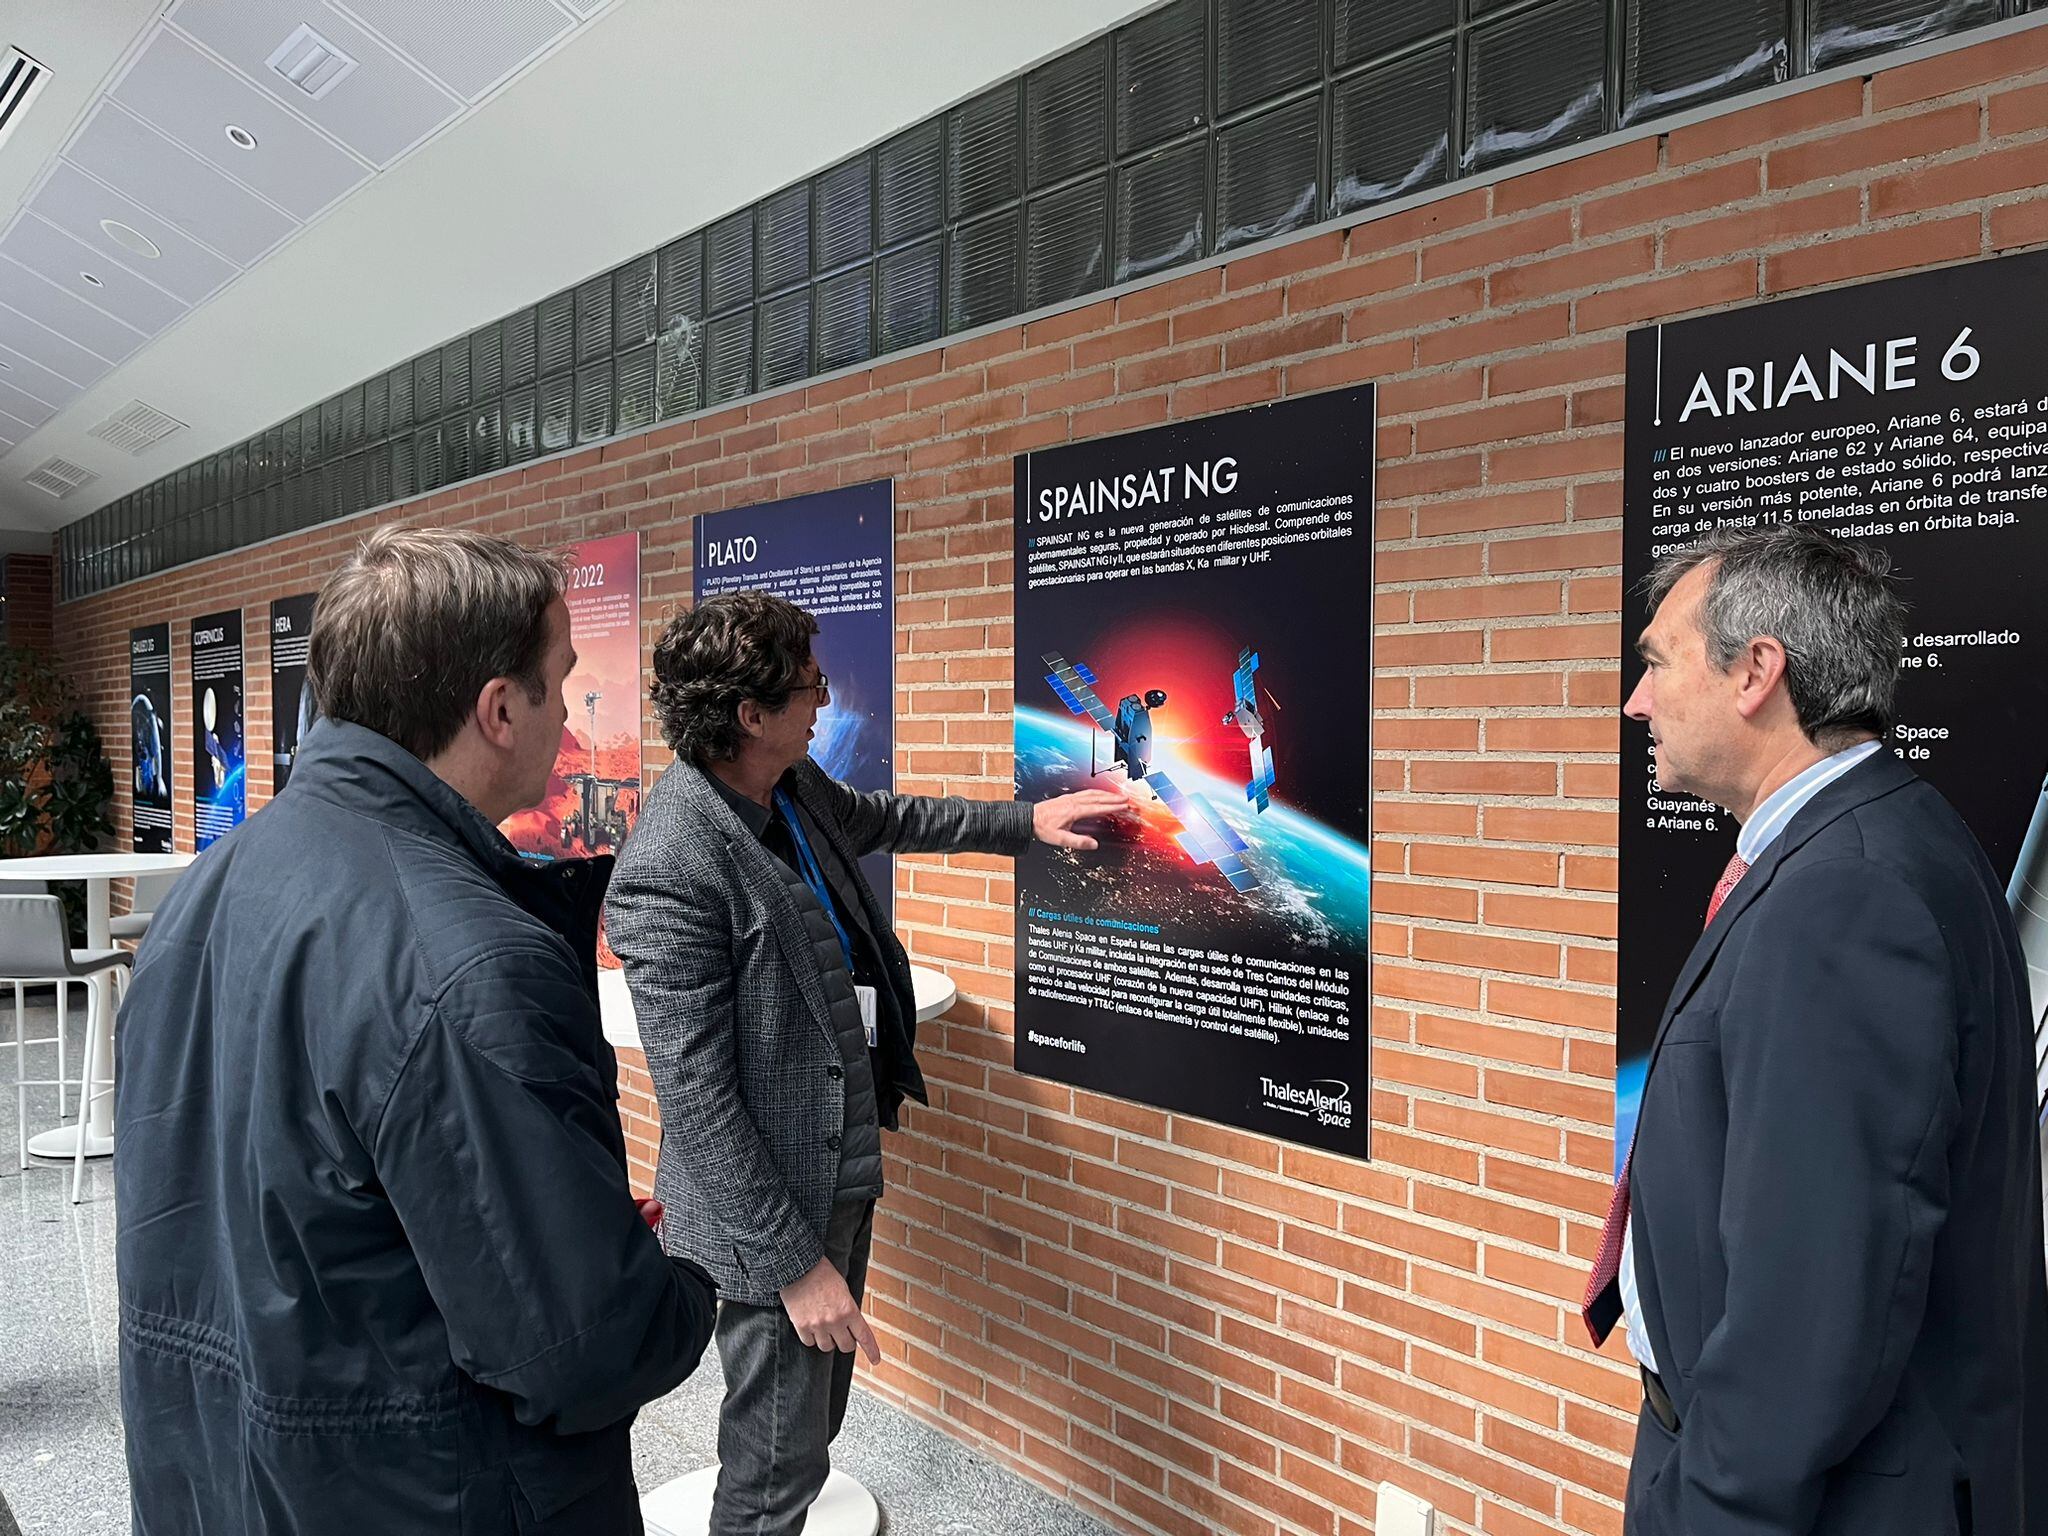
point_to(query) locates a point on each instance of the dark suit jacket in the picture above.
(1836, 1194)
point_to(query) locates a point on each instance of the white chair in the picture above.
(150, 891)
(34, 950)
(36, 888)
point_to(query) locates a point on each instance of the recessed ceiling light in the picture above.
(95, 282)
(241, 137)
(131, 238)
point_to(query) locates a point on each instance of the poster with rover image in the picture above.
(291, 701)
(593, 795)
(149, 716)
(832, 554)
(1194, 631)
(1911, 413)
(220, 788)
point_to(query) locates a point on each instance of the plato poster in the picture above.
(830, 554)
(220, 790)
(1194, 631)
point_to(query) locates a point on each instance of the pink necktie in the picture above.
(1730, 878)
(1602, 1306)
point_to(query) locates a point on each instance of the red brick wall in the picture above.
(26, 587)
(1184, 1328)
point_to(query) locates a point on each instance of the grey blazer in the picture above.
(734, 1016)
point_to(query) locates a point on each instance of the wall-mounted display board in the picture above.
(291, 701)
(1912, 412)
(832, 554)
(593, 796)
(1194, 628)
(149, 712)
(220, 790)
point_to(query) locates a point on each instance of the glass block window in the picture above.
(1197, 127)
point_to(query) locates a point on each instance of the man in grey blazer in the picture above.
(776, 1011)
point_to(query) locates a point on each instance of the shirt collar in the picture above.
(752, 814)
(1773, 815)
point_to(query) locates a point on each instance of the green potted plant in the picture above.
(55, 780)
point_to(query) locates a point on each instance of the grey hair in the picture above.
(1830, 603)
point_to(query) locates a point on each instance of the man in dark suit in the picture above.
(776, 1010)
(1826, 1242)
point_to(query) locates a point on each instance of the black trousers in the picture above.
(784, 1401)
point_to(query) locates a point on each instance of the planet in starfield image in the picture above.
(1315, 885)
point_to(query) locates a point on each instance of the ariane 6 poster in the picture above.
(1194, 630)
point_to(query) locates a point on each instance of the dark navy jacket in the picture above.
(380, 1269)
(1836, 1194)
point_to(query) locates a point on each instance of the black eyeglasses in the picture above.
(823, 686)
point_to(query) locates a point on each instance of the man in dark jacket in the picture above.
(776, 1009)
(380, 1270)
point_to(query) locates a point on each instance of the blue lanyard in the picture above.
(814, 877)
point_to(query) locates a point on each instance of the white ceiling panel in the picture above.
(65, 313)
(46, 249)
(135, 159)
(24, 408)
(382, 109)
(192, 99)
(585, 157)
(469, 47)
(41, 345)
(76, 204)
(53, 388)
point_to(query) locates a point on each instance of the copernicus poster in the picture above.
(219, 785)
(1194, 630)
(1910, 413)
(593, 795)
(832, 555)
(291, 701)
(149, 717)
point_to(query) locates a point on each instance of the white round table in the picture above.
(934, 990)
(683, 1507)
(99, 871)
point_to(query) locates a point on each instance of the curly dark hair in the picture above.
(736, 646)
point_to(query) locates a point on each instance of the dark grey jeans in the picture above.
(784, 1401)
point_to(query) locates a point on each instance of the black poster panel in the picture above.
(291, 701)
(1194, 630)
(1912, 412)
(149, 714)
(219, 781)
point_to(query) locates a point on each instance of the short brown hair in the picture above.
(416, 622)
(736, 646)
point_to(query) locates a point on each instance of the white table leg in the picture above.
(99, 1124)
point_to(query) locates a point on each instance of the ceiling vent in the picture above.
(59, 477)
(311, 63)
(136, 427)
(21, 77)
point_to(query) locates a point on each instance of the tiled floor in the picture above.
(61, 1465)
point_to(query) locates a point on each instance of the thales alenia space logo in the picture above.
(1324, 1100)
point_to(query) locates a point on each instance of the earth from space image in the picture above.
(1315, 886)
